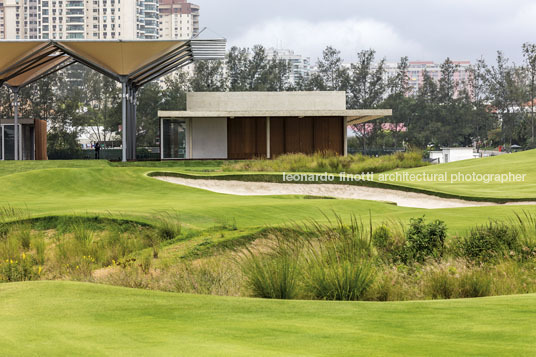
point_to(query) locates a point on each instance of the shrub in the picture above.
(424, 240)
(381, 237)
(20, 269)
(389, 240)
(489, 242)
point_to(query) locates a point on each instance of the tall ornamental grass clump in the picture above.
(330, 162)
(168, 225)
(337, 264)
(273, 274)
(525, 223)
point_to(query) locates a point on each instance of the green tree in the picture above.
(332, 75)
(237, 69)
(529, 54)
(505, 94)
(209, 76)
(174, 91)
(147, 127)
(399, 100)
(367, 87)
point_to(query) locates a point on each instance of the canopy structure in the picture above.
(132, 63)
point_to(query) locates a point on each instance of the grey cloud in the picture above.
(434, 29)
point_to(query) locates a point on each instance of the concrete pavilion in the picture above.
(131, 63)
(246, 125)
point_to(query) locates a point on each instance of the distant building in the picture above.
(246, 125)
(453, 154)
(178, 19)
(32, 139)
(300, 65)
(89, 135)
(98, 19)
(416, 71)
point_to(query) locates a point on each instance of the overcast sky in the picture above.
(422, 30)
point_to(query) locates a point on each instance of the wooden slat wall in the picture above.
(247, 136)
(277, 137)
(40, 132)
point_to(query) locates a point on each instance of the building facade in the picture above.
(416, 70)
(32, 143)
(247, 125)
(178, 19)
(98, 19)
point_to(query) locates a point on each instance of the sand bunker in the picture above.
(401, 198)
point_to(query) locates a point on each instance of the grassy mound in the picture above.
(59, 318)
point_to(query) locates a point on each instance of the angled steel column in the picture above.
(134, 121)
(131, 126)
(124, 119)
(127, 129)
(16, 115)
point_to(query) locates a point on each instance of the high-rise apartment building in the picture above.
(179, 19)
(416, 70)
(300, 66)
(98, 19)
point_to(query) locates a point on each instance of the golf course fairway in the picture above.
(90, 320)
(72, 318)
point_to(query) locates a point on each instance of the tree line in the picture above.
(493, 107)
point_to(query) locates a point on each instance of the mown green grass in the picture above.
(126, 192)
(517, 163)
(65, 318)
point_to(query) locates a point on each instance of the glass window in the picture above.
(174, 139)
(9, 142)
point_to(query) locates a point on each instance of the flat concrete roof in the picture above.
(273, 104)
(353, 116)
(12, 121)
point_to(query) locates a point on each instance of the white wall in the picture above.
(437, 155)
(457, 154)
(209, 138)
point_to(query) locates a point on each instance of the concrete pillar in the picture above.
(268, 149)
(345, 135)
(128, 129)
(134, 124)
